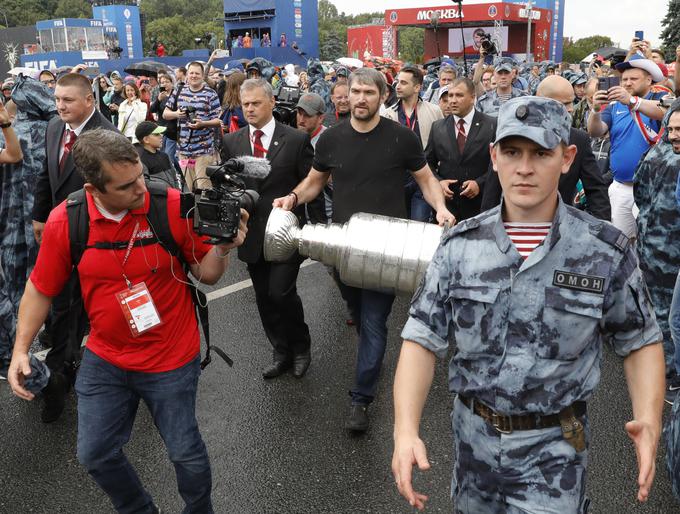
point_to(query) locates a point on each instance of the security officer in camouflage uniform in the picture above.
(528, 336)
(505, 72)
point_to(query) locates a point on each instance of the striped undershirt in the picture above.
(527, 236)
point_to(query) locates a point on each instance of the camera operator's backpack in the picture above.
(79, 229)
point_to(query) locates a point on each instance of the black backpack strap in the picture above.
(158, 221)
(78, 224)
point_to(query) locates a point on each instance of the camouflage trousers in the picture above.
(672, 437)
(526, 471)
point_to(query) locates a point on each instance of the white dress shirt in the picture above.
(468, 121)
(268, 134)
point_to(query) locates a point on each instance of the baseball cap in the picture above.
(505, 64)
(577, 79)
(312, 104)
(442, 91)
(146, 128)
(544, 121)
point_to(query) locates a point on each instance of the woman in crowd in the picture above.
(101, 86)
(131, 111)
(232, 114)
(167, 86)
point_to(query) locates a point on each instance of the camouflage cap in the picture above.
(542, 120)
(505, 64)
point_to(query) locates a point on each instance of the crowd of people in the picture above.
(560, 184)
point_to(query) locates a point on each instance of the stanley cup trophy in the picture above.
(384, 254)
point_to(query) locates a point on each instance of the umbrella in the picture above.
(350, 62)
(146, 68)
(608, 52)
(25, 71)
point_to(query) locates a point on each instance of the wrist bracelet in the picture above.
(293, 193)
(5, 125)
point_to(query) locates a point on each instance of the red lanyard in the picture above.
(130, 244)
(409, 124)
(316, 132)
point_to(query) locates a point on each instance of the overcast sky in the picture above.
(618, 19)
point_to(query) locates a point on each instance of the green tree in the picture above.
(411, 44)
(332, 47)
(327, 11)
(73, 9)
(177, 35)
(671, 29)
(199, 11)
(575, 51)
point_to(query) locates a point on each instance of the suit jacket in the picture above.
(52, 188)
(584, 168)
(290, 155)
(427, 114)
(446, 161)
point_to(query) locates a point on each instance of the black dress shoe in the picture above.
(54, 395)
(276, 368)
(300, 365)
(357, 421)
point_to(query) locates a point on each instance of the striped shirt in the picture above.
(197, 142)
(527, 236)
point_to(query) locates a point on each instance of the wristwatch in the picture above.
(5, 125)
(634, 102)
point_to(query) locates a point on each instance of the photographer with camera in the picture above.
(197, 109)
(505, 72)
(144, 339)
(631, 115)
(290, 155)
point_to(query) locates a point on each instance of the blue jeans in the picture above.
(108, 398)
(418, 208)
(170, 148)
(369, 310)
(674, 322)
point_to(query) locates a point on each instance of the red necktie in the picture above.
(461, 137)
(69, 139)
(258, 149)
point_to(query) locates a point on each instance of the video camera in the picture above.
(217, 212)
(287, 98)
(488, 44)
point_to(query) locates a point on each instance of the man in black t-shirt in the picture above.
(367, 159)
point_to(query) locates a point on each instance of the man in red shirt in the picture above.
(144, 341)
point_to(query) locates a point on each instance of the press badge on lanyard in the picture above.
(136, 303)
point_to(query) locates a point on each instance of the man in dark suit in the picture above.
(458, 150)
(290, 154)
(584, 167)
(59, 178)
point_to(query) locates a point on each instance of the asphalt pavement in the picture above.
(279, 446)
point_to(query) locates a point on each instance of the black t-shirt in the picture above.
(368, 168)
(155, 162)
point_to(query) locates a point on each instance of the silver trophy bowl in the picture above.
(369, 251)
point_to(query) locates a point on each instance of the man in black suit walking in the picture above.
(458, 150)
(59, 178)
(290, 154)
(584, 167)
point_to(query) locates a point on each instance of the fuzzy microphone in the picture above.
(245, 166)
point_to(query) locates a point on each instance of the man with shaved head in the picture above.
(583, 168)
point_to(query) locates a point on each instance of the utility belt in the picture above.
(566, 419)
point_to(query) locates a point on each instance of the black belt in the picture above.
(506, 424)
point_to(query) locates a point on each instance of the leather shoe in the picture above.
(54, 395)
(276, 368)
(357, 421)
(300, 364)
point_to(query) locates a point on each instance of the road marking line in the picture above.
(244, 284)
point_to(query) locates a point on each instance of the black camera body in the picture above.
(488, 44)
(190, 111)
(217, 211)
(287, 98)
